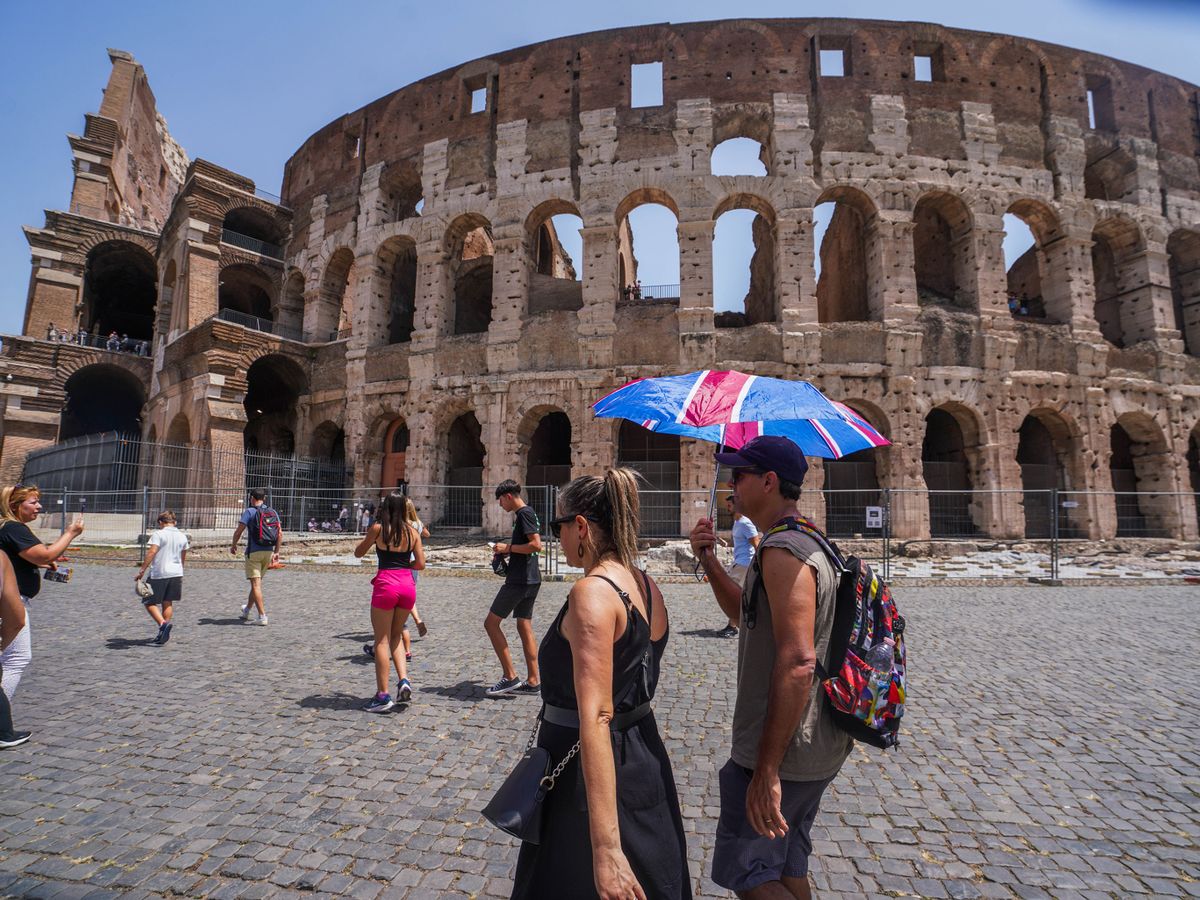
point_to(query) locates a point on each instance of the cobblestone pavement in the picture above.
(1050, 747)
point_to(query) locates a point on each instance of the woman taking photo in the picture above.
(398, 548)
(611, 826)
(19, 506)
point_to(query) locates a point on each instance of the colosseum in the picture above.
(407, 309)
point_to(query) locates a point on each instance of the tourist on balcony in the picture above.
(19, 506)
(52, 333)
(611, 824)
(398, 549)
(113, 343)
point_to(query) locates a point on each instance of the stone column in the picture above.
(697, 468)
(991, 279)
(797, 286)
(433, 292)
(812, 494)
(697, 339)
(510, 297)
(370, 304)
(203, 274)
(491, 405)
(1147, 308)
(597, 318)
(905, 474)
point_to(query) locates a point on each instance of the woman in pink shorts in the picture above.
(398, 547)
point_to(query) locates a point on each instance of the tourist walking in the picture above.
(410, 516)
(166, 554)
(399, 552)
(786, 747)
(19, 506)
(611, 825)
(745, 542)
(10, 606)
(516, 596)
(264, 537)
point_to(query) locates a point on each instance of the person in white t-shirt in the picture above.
(165, 555)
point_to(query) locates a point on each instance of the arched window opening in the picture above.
(1122, 468)
(549, 459)
(841, 261)
(291, 308)
(397, 267)
(464, 473)
(472, 254)
(329, 443)
(335, 316)
(739, 156)
(172, 317)
(395, 448)
(743, 268)
(556, 260)
(273, 388)
(401, 192)
(255, 230)
(852, 485)
(1183, 260)
(1115, 245)
(1041, 473)
(246, 292)
(100, 399)
(1110, 172)
(943, 252)
(1193, 466)
(656, 457)
(947, 477)
(648, 244)
(119, 291)
(1023, 265)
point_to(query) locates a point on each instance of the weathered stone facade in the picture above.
(411, 289)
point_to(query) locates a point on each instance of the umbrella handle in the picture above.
(712, 496)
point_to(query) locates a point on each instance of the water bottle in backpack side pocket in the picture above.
(880, 659)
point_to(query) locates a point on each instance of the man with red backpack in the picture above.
(264, 536)
(786, 747)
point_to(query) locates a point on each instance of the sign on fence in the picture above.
(874, 516)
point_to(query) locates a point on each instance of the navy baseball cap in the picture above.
(771, 453)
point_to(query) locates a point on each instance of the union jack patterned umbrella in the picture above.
(732, 407)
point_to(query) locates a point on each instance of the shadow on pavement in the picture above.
(359, 659)
(118, 643)
(705, 633)
(234, 621)
(467, 691)
(333, 701)
(359, 637)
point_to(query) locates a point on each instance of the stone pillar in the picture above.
(905, 475)
(991, 279)
(812, 494)
(1000, 475)
(697, 338)
(697, 468)
(510, 297)
(890, 239)
(203, 274)
(797, 286)
(1147, 308)
(434, 300)
(355, 424)
(491, 407)
(597, 318)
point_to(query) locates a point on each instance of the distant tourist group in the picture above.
(609, 824)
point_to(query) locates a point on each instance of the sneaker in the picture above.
(369, 649)
(164, 632)
(729, 631)
(245, 616)
(405, 691)
(381, 704)
(504, 686)
(526, 688)
(16, 739)
(158, 638)
(262, 620)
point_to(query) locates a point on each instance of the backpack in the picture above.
(266, 526)
(867, 701)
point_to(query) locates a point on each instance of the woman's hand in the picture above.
(614, 878)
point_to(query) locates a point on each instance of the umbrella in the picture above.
(731, 408)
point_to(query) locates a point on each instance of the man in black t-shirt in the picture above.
(516, 596)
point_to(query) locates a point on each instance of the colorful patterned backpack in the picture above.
(865, 680)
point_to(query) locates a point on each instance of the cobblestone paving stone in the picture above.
(1050, 747)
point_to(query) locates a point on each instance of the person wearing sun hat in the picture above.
(786, 748)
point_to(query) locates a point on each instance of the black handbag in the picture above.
(516, 808)
(499, 564)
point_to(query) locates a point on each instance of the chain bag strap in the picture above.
(516, 808)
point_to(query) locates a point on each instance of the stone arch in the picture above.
(248, 292)
(1142, 477)
(1192, 460)
(463, 459)
(1183, 265)
(328, 443)
(290, 312)
(1041, 289)
(334, 301)
(759, 303)
(848, 284)
(952, 462)
(261, 227)
(393, 317)
(274, 385)
(395, 449)
(170, 311)
(1110, 173)
(120, 290)
(628, 266)
(174, 459)
(657, 458)
(470, 251)
(401, 191)
(100, 398)
(1117, 243)
(854, 482)
(1049, 455)
(544, 437)
(554, 275)
(944, 251)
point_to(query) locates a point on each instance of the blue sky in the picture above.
(244, 84)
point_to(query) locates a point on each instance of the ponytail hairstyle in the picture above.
(612, 507)
(392, 522)
(410, 511)
(12, 497)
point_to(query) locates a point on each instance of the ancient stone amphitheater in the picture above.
(407, 304)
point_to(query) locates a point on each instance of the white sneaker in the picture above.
(245, 616)
(262, 620)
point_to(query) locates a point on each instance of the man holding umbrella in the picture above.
(786, 747)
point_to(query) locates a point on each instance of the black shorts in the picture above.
(516, 600)
(166, 590)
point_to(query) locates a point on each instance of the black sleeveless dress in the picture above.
(648, 815)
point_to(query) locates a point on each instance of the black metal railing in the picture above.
(634, 292)
(254, 245)
(259, 323)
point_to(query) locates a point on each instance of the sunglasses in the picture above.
(557, 524)
(738, 473)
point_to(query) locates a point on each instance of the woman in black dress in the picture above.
(611, 826)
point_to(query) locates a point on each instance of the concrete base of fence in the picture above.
(1047, 582)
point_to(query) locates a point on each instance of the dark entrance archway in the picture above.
(1041, 474)
(119, 292)
(549, 459)
(656, 457)
(947, 476)
(274, 385)
(465, 455)
(101, 398)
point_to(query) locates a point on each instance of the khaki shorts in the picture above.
(738, 574)
(257, 562)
